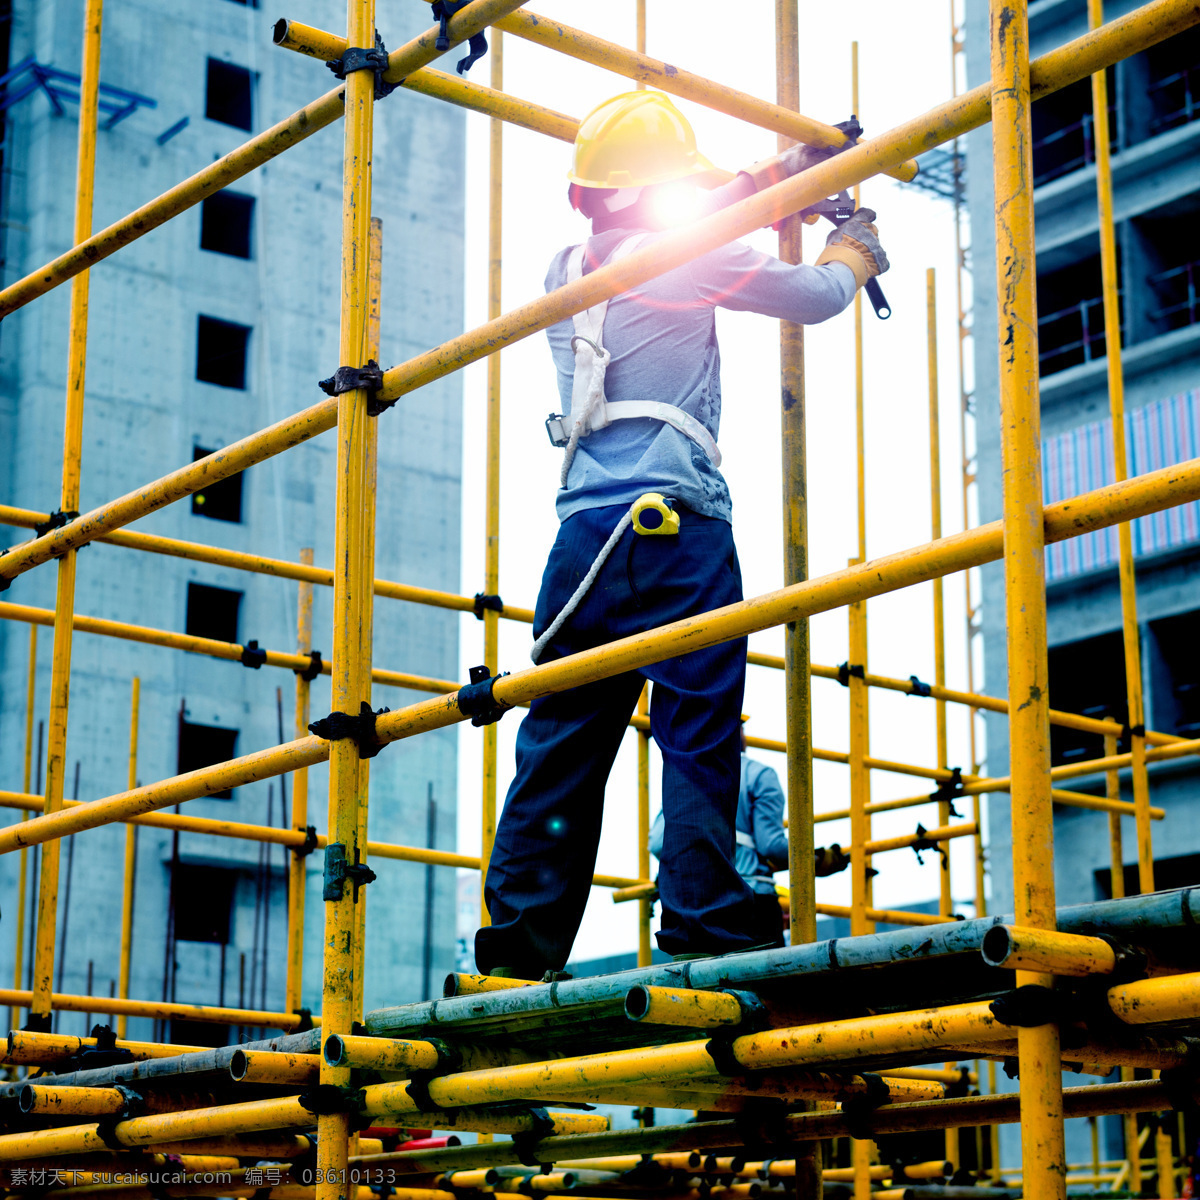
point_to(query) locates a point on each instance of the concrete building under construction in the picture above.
(868, 1065)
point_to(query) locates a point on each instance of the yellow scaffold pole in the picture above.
(1116, 403)
(130, 883)
(1042, 1146)
(23, 868)
(645, 951)
(795, 531)
(350, 613)
(491, 500)
(60, 678)
(297, 871)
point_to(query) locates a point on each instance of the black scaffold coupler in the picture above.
(351, 379)
(309, 673)
(845, 670)
(253, 656)
(475, 699)
(950, 790)
(487, 600)
(365, 58)
(919, 688)
(360, 728)
(443, 10)
(57, 520)
(338, 871)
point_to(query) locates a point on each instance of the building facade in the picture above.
(204, 331)
(1154, 103)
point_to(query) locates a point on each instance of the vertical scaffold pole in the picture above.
(861, 1151)
(645, 952)
(64, 608)
(801, 873)
(297, 871)
(127, 892)
(945, 895)
(1116, 404)
(491, 500)
(349, 610)
(23, 868)
(1042, 1145)
(370, 474)
(802, 877)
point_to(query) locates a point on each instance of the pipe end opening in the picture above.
(239, 1064)
(996, 946)
(334, 1050)
(637, 1003)
(279, 31)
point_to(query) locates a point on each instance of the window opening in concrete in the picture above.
(225, 224)
(1169, 242)
(1174, 85)
(1064, 130)
(228, 94)
(202, 897)
(1071, 316)
(1087, 677)
(220, 501)
(212, 612)
(1175, 674)
(221, 352)
(205, 746)
(1180, 872)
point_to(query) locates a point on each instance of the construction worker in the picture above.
(642, 376)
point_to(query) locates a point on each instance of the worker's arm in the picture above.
(767, 804)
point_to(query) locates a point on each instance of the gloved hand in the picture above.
(783, 166)
(855, 243)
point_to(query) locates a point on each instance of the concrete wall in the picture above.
(145, 411)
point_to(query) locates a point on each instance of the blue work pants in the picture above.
(545, 850)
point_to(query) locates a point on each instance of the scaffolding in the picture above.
(778, 1074)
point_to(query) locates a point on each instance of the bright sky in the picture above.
(904, 70)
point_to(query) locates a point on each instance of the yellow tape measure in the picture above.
(652, 516)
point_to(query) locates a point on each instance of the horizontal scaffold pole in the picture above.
(1106, 506)
(293, 839)
(1094, 51)
(159, 1010)
(27, 518)
(240, 162)
(1149, 1095)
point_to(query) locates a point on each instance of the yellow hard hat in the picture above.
(636, 139)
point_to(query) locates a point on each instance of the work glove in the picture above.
(855, 243)
(783, 166)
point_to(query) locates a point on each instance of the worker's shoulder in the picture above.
(760, 772)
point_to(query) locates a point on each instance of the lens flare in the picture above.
(675, 204)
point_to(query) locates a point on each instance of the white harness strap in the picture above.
(590, 409)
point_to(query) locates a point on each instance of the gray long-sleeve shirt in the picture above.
(662, 337)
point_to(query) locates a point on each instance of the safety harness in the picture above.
(590, 409)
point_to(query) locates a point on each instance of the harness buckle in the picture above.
(556, 428)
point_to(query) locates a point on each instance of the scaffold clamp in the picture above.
(489, 601)
(253, 656)
(475, 699)
(57, 520)
(309, 844)
(477, 44)
(926, 843)
(338, 871)
(950, 789)
(1028, 1007)
(845, 670)
(360, 728)
(368, 378)
(365, 58)
(315, 665)
(325, 1099)
(526, 1143)
(918, 688)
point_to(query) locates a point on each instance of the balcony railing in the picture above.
(1176, 290)
(1072, 336)
(1176, 98)
(1069, 148)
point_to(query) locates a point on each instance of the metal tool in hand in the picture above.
(839, 209)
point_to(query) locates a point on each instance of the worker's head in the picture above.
(637, 150)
